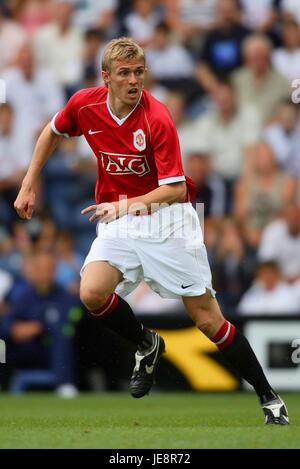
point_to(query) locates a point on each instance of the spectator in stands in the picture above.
(12, 38)
(39, 330)
(96, 14)
(270, 294)
(281, 133)
(170, 63)
(257, 82)
(221, 50)
(159, 92)
(69, 262)
(281, 242)
(15, 155)
(177, 105)
(142, 20)
(16, 254)
(21, 247)
(229, 131)
(58, 47)
(290, 9)
(261, 16)
(32, 14)
(292, 165)
(210, 186)
(211, 229)
(92, 54)
(232, 266)
(34, 95)
(6, 281)
(286, 59)
(261, 194)
(258, 14)
(12, 246)
(45, 234)
(190, 18)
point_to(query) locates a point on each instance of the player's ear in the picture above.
(105, 77)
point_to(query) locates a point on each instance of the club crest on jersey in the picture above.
(139, 140)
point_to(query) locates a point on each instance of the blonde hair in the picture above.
(123, 48)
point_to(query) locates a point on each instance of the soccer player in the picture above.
(147, 227)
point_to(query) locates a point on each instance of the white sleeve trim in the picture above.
(161, 182)
(55, 129)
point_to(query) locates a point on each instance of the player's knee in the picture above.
(206, 325)
(92, 298)
(209, 323)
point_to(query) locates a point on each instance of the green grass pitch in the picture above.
(161, 420)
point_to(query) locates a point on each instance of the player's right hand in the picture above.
(24, 203)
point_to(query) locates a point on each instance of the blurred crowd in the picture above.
(228, 71)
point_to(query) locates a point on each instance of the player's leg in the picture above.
(98, 283)
(99, 280)
(205, 312)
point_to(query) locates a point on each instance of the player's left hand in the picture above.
(105, 212)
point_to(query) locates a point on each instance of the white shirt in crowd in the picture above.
(226, 143)
(287, 63)
(291, 7)
(255, 12)
(283, 299)
(12, 38)
(88, 12)
(280, 141)
(139, 28)
(277, 244)
(170, 63)
(34, 101)
(59, 54)
(6, 282)
(15, 154)
(200, 12)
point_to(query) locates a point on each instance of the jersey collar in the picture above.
(115, 118)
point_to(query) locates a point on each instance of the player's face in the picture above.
(126, 80)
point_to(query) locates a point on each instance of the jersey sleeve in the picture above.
(65, 122)
(166, 151)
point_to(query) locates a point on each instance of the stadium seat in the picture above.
(24, 380)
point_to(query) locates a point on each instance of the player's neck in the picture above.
(119, 108)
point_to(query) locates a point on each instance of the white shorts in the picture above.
(166, 249)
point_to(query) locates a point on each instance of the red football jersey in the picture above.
(135, 154)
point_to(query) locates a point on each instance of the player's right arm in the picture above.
(45, 146)
(63, 124)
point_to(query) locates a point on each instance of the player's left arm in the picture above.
(165, 194)
(144, 204)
